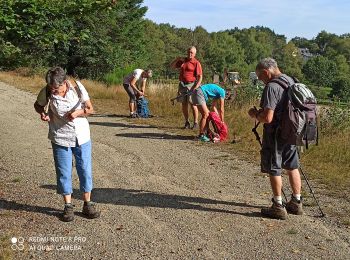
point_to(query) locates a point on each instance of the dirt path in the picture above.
(162, 196)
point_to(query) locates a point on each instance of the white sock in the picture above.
(297, 196)
(278, 199)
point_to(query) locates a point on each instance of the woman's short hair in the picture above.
(55, 76)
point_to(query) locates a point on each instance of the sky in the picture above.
(302, 18)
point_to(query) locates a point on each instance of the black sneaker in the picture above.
(295, 206)
(90, 211)
(276, 211)
(68, 213)
(187, 125)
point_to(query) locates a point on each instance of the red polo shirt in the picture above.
(190, 70)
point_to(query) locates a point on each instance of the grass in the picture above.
(292, 232)
(327, 163)
(17, 179)
(5, 248)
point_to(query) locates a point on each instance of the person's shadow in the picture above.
(143, 198)
(121, 125)
(13, 205)
(157, 136)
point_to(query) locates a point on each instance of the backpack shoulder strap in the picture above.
(281, 81)
(77, 89)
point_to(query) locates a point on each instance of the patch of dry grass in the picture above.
(330, 161)
(5, 248)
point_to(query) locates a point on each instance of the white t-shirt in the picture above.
(62, 131)
(135, 74)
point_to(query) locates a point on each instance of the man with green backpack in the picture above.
(277, 153)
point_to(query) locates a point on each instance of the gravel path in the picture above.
(162, 196)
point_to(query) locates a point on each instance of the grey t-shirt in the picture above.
(272, 98)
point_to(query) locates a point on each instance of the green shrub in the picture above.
(320, 92)
(117, 75)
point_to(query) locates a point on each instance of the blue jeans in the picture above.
(63, 164)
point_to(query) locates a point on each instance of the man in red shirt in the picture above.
(190, 78)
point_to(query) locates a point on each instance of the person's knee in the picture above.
(293, 172)
(275, 173)
(205, 114)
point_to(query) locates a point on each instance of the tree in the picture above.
(224, 52)
(155, 58)
(86, 36)
(341, 88)
(320, 71)
(305, 43)
(290, 61)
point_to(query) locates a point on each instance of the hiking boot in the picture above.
(195, 126)
(187, 125)
(204, 138)
(90, 211)
(134, 115)
(68, 213)
(295, 206)
(276, 211)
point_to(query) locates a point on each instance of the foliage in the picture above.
(334, 119)
(101, 39)
(84, 36)
(320, 92)
(341, 88)
(290, 61)
(117, 75)
(320, 70)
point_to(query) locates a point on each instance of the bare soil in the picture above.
(162, 196)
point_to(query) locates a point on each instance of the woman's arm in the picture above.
(133, 85)
(41, 110)
(86, 111)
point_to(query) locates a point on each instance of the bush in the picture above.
(341, 88)
(117, 75)
(320, 92)
(334, 119)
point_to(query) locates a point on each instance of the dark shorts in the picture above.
(275, 155)
(131, 93)
(183, 90)
(198, 98)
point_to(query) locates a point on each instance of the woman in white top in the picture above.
(130, 86)
(65, 108)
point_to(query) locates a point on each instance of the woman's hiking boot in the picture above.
(187, 125)
(68, 213)
(195, 126)
(295, 206)
(90, 210)
(276, 211)
(134, 115)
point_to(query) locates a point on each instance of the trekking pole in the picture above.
(256, 133)
(180, 96)
(256, 124)
(312, 192)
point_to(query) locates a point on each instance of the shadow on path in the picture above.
(142, 198)
(13, 205)
(118, 124)
(157, 136)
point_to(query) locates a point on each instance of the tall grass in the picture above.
(329, 162)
